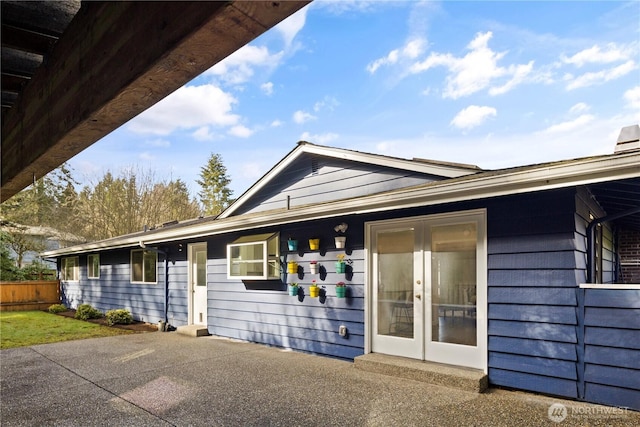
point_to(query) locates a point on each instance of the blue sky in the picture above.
(495, 84)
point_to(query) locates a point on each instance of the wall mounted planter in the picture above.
(314, 291)
(314, 244)
(340, 241)
(292, 245)
(341, 291)
(313, 267)
(340, 266)
(292, 267)
(293, 290)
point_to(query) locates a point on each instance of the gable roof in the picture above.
(423, 166)
(545, 176)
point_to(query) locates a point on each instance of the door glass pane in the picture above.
(201, 268)
(395, 283)
(453, 284)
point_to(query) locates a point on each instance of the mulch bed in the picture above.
(135, 326)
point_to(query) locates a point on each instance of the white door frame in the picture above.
(475, 357)
(197, 295)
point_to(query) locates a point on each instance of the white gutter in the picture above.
(483, 185)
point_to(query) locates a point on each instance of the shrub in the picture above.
(57, 308)
(86, 312)
(120, 316)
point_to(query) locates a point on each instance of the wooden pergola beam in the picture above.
(115, 60)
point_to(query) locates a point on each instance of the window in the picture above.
(69, 269)
(254, 257)
(93, 266)
(143, 266)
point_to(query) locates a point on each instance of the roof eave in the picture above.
(484, 185)
(445, 170)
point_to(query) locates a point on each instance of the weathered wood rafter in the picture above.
(115, 60)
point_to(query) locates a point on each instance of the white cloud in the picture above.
(519, 73)
(267, 88)
(202, 134)
(240, 131)
(239, 67)
(188, 107)
(600, 77)
(632, 97)
(291, 26)
(302, 116)
(473, 116)
(328, 102)
(276, 123)
(595, 54)
(570, 125)
(411, 50)
(580, 107)
(146, 156)
(476, 70)
(319, 138)
(159, 142)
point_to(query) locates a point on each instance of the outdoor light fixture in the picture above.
(341, 227)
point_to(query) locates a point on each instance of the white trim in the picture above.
(144, 251)
(89, 266)
(611, 286)
(445, 170)
(483, 185)
(475, 357)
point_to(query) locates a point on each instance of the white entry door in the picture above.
(428, 288)
(198, 284)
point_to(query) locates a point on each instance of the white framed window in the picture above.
(255, 257)
(69, 269)
(144, 266)
(93, 266)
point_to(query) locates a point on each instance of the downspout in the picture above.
(166, 278)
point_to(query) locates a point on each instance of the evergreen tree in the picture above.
(215, 195)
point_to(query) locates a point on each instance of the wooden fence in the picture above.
(29, 295)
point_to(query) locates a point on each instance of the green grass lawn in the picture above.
(25, 328)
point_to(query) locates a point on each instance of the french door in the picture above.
(428, 292)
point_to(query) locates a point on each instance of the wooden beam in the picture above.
(115, 60)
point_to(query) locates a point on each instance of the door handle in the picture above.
(418, 296)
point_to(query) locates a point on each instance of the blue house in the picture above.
(515, 273)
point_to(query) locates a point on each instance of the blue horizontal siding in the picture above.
(617, 298)
(302, 323)
(533, 330)
(538, 260)
(620, 318)
(624, 338)
(299, 344)
(533, 365)
(533, 382)
(612, 346)
(613, 376)
(621, 357)
(614, 396)
(556, 350)
(536, 296)
(534, 313)
(536, 278)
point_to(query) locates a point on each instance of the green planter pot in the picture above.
(341, 291)
(293, 291)
(292, 244)
(340, 266)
